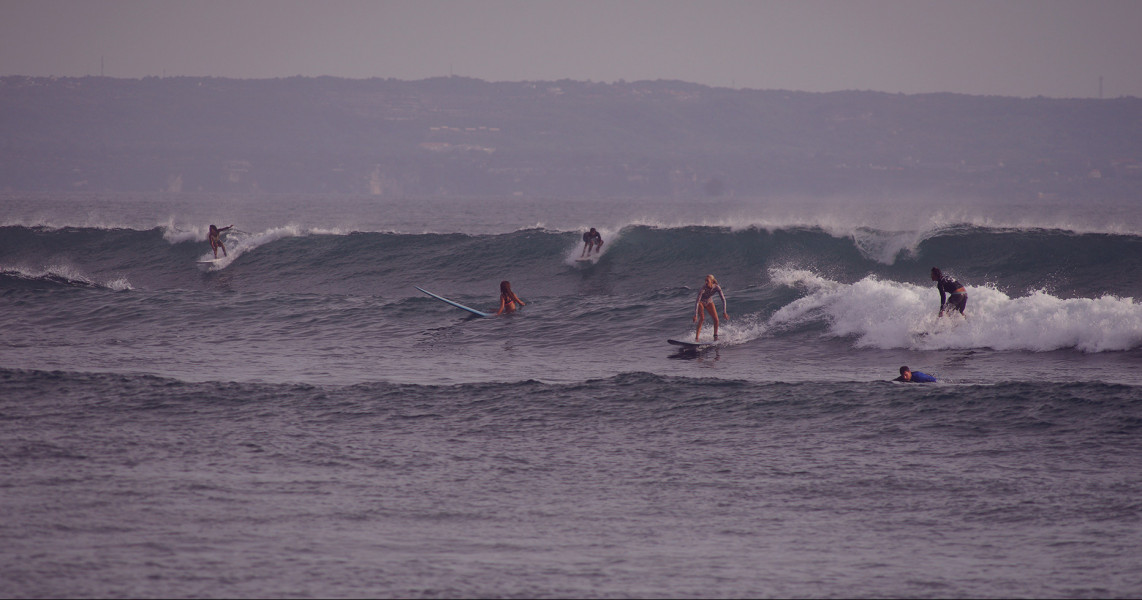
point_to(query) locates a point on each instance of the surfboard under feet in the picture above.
(692, 345)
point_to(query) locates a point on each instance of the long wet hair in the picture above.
(505, 288)
(712, 279)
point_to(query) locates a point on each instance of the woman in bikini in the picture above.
(508, 299)
(706, 302)
(215, 239)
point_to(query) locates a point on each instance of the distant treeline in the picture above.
(466, 137)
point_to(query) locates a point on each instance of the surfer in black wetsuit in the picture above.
(215, 239)
(951, 292)
(592, 239)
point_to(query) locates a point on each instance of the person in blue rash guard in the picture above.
(911, 376)
(953, 296)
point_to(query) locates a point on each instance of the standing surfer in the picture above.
(592, 239)
(951, 292)
(508, 299)
(215, 239)
(706, 302)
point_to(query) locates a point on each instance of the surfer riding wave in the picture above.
(706, 303)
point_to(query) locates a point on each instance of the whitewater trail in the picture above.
(890, 314)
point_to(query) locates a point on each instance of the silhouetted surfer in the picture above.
(592, 239)
(951, 292)
(215, 239)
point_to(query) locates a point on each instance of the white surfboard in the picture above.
(212, 264)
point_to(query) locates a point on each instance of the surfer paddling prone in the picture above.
(706, 303)
(909, 376)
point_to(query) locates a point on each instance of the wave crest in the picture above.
(890, 314)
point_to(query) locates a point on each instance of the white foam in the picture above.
(738, 329)
(886, 229)
(889, 314)
(174, 235)
(67, 273)
(120, 284)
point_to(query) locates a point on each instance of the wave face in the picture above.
(323, 289)
(283, 291)
(636, 257)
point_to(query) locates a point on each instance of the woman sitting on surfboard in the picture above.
(215, 239)
(508, 299)
(706, 301)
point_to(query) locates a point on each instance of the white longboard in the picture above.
(457, 304)
(212, 264)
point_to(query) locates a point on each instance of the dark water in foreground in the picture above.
(300, 421)
(636, 485)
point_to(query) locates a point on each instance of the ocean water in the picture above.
(298, 420)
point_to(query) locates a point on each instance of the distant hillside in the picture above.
(466, 137)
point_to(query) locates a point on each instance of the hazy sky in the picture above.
(1003, 47)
